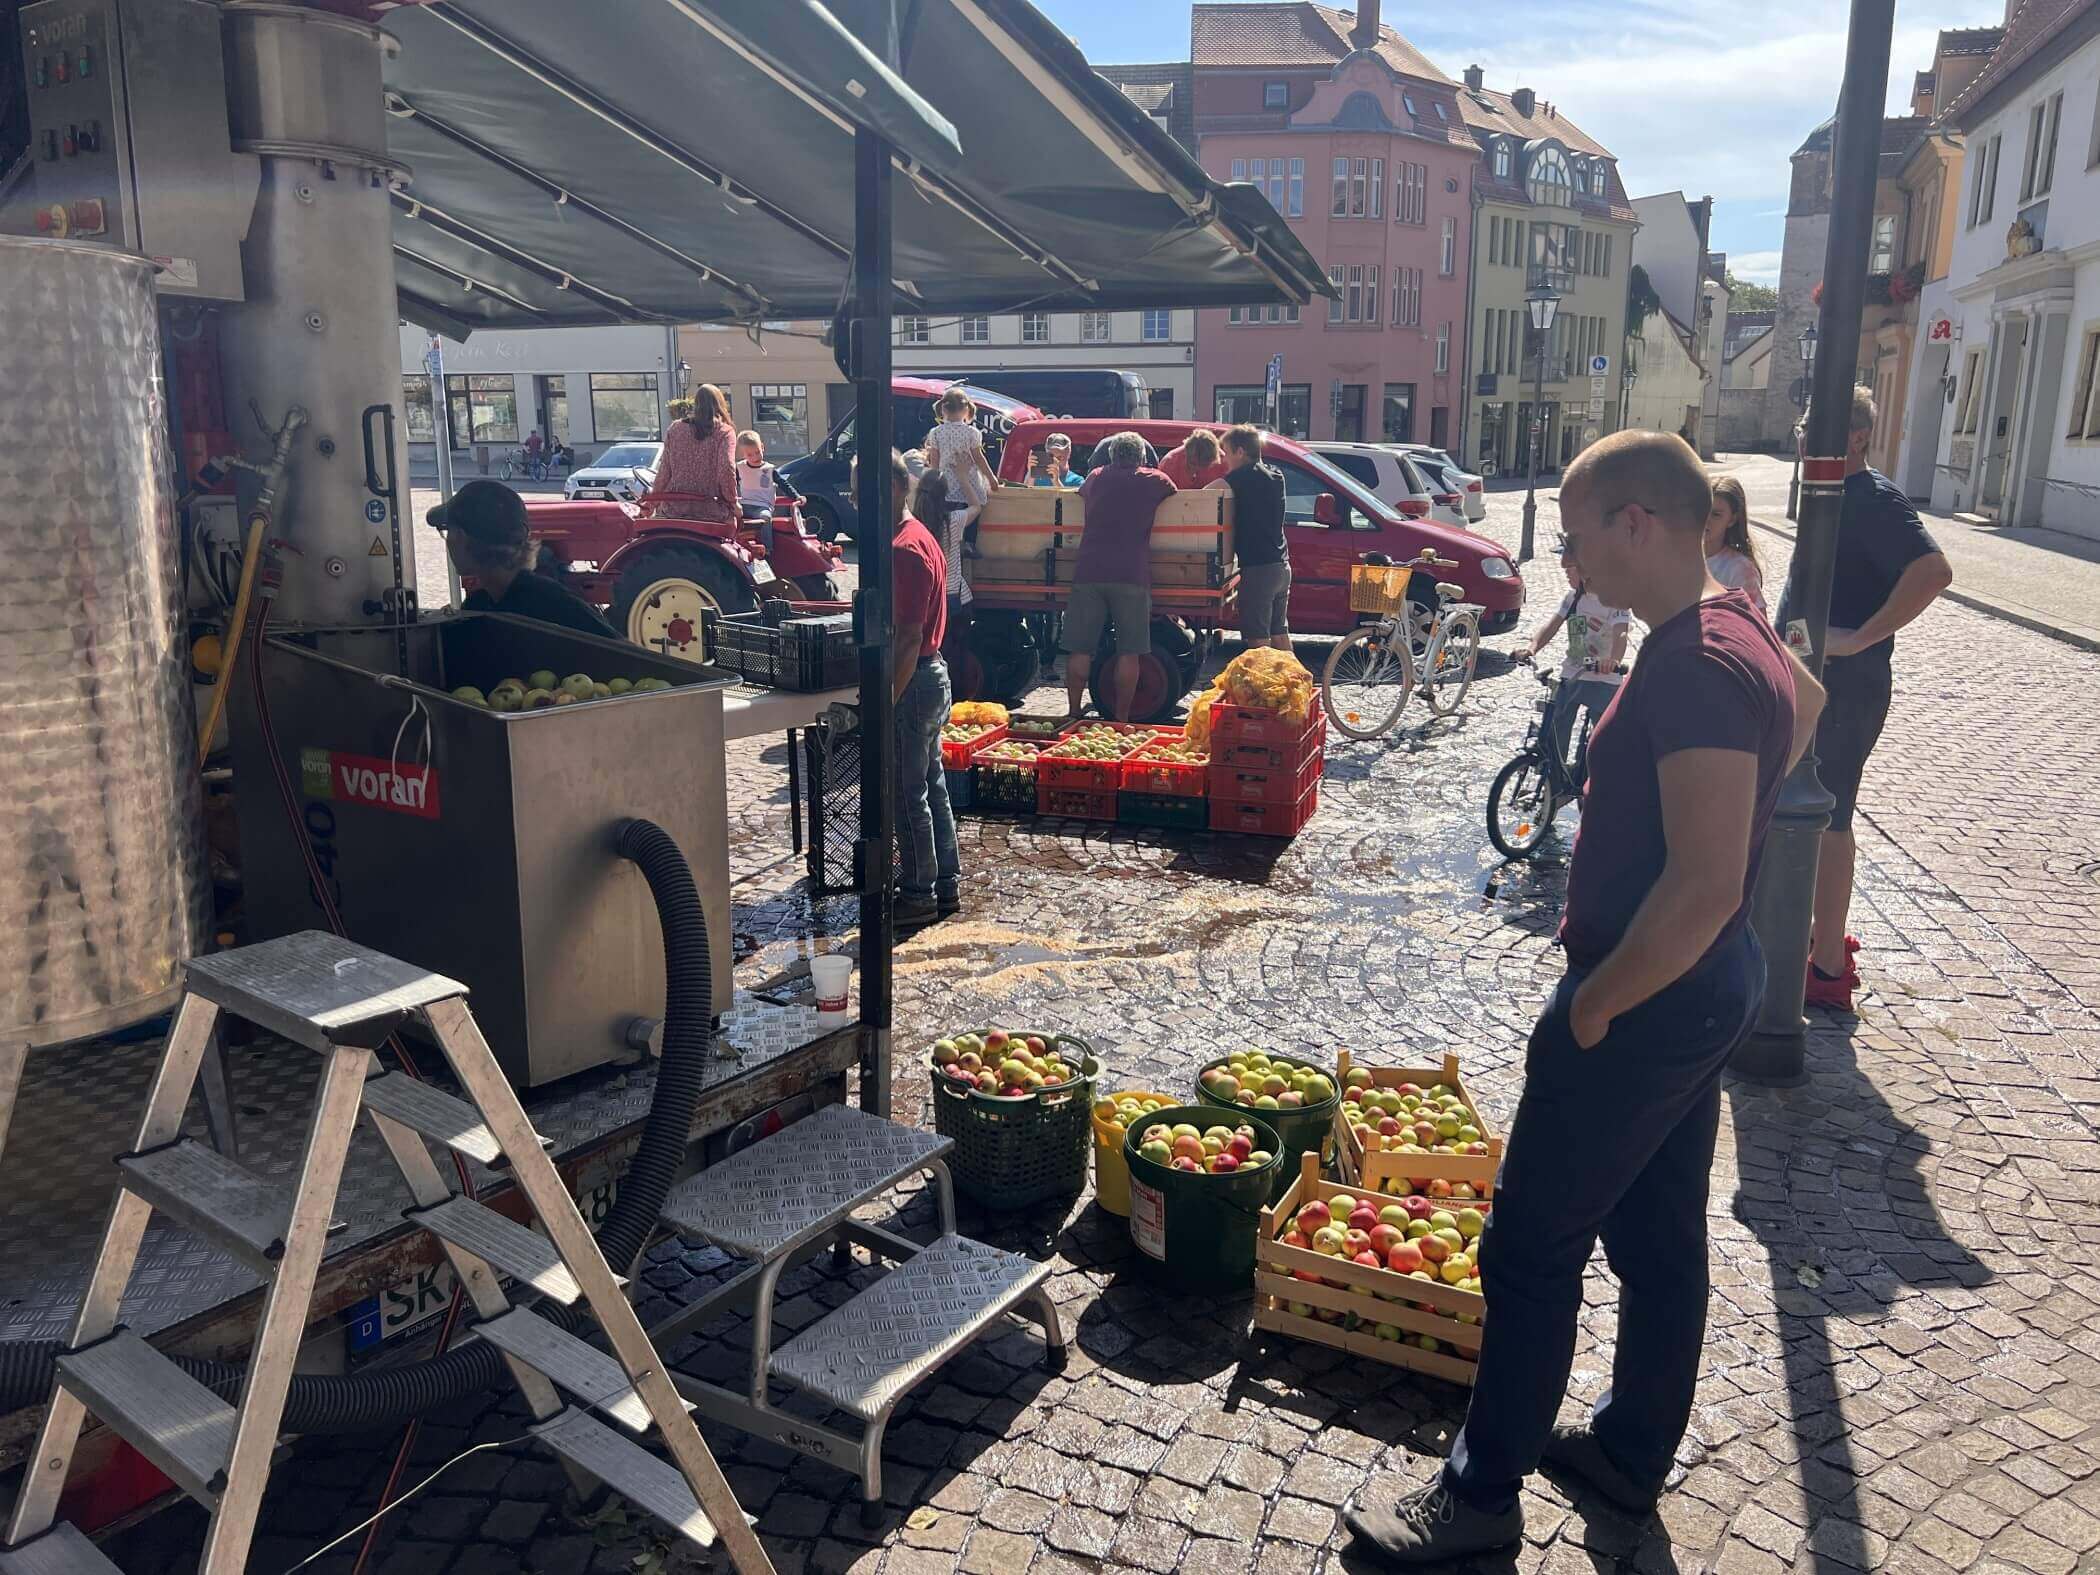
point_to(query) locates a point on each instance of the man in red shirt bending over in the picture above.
(1614, 1134)
(929, 881)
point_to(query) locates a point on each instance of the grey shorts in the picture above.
(1127, 608)
(1265, 601)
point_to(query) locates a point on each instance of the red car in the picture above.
(1330, 520)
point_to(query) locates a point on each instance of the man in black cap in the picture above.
(490, 541)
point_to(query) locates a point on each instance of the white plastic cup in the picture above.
(830, 973)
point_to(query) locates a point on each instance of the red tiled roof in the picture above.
(1489, 111)
(2028, 29)
(1292, 33)
(1968, 40)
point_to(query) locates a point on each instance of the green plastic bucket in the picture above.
(1196, 1231)
(1307, 1130)
(1010, 1153)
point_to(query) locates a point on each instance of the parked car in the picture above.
(620, 475)
(1454, 477)
(1397, 479)
(824, 477)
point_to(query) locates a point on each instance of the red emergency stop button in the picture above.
(64, 69)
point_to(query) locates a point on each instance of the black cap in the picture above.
(484, 511)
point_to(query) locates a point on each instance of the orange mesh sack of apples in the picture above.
(1262, 679)
(977, 713)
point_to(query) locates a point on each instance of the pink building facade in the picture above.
(1369, 160)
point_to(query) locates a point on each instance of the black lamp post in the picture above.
(1542, 301)
(1808, 371)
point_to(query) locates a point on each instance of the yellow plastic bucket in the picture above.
(1111, 1172)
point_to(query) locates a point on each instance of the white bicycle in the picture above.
(1370, 674)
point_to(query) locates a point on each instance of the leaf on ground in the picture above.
(923, 1518)
(1808, 1274)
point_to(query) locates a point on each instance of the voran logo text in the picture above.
(365, 779)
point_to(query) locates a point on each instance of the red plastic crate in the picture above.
(1264, 820)
(1073, 803)
(1265, 784)
(1239, 724)
(957, 757)
(1238, 752)
(1146, 773)
(1093, 776)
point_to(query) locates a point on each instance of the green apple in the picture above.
(581, 685)
(619, 686)
(1470, 1223)
(543, 678)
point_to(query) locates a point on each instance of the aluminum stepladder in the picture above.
(342, 1000)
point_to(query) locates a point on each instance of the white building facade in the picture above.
(1671, 247)
(1159, 346)
(2020, 439)
(585, 387)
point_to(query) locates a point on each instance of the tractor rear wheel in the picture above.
(660, 595)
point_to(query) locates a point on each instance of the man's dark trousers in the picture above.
(1616, 1141)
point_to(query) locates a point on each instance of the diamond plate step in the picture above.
(194, 1183)
(786, 1191)
(523, 1254)
(575, 1365)
(63, 1550)
(435, 1114)
(318, 990)
(629, 1470)
(864, 1355)
(164, 1413)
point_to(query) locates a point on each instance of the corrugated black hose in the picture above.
(359, 1402)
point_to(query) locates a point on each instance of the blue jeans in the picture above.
(1616, 1141)
(1583, 692)
(926, 847)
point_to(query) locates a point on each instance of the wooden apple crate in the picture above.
(1372, 1171)
(1275, 1290)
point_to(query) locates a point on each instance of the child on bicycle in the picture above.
(1595, 663)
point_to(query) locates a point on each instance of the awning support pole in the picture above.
(875, 437)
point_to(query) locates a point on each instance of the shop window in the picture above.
(780, 415)
(415, 407)
(482, 407)
(623, 404)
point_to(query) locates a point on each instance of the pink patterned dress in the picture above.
(699, 473)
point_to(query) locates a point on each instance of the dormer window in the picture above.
(1407, 100)
(1501, 161)
(1440, 115)
(1276, 95)
(1546, 179)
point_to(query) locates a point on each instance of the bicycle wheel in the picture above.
(510, 468)
(1520, 808)
(1448, 672)
(1366, 682)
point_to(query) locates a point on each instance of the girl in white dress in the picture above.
(1730, 556)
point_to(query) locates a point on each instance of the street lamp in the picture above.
(1808, 371)
(1542, 301)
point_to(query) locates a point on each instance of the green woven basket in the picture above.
(1010, 1153)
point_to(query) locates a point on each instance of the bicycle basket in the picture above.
(1378, 588)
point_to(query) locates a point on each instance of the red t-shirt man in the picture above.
(1186, 475)
(919, 585)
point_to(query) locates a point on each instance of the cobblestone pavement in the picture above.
(1904, 1347)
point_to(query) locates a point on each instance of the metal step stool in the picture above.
(342, 1001)
(792, 1195)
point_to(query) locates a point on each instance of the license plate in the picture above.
(413, 1302)
(762, 572)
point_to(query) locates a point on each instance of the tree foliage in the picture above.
(1744, 296)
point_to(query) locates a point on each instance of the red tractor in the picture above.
(654, 574)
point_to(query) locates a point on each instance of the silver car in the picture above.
(1471, 490)
(622, 473)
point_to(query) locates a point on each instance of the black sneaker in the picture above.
(911, 912)
(1433, 1524)
(949, 900)
(1576, 1451)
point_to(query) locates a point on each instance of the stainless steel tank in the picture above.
(102, 890)
(321, 325)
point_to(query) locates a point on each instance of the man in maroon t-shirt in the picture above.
(1112, 577)
(929, 877)
(1614, 1134)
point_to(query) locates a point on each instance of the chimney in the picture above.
(1474, 77)
(1364, 35)
(1524, 101)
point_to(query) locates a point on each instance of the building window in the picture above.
(1359, 177)
(1881, 256)
(1970, 411)
(1239, 169)
(1398, 421)
(1035, 328)
(1378, 188)
(913, 331)
(623, 404)
(1443, 347)
(1438, 106)
(1297, 191)
(1502, 161)
(415, 404)
(1355, 295)
(1337, 279)
(482, 408)
(1447, 249)
(1339, 209)
(1096, 328)
(1407, 297)
(1371, 293)
(780, 415)
(2041, 148)
(1236, 402)
(1983, 194)
(976, 330)
(1411, 194)
(1407, 102)
(1276, 95)
(2085, 404)
(1158, 325)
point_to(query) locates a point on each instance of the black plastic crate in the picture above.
(789, 655)
(1173, 811)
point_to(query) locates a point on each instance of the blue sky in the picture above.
(1704, 96)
